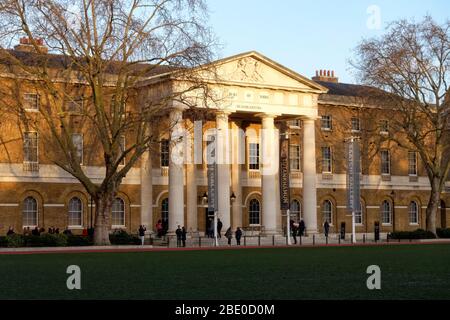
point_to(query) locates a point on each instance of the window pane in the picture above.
(118, 212)
(253, 212)
(253, 159)
(295, 210)
(294, 157)
(412, 163)
(326, 122)
(327, 211)
(75, 212)
(30, 212)
(355, 124)
(326, 159)
(77, 140)
(31, 101)
(386, 212)
(385, 162)
(30, 147)
(165, 153)
(165, 210)
(413, 213)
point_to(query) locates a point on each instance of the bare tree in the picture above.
(411, 62)
(101, 54)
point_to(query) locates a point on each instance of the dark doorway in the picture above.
(443, 215)
(209, 218)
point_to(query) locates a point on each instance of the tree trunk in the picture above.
(102, 225)
(433, 205)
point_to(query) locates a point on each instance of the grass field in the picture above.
(407, 272)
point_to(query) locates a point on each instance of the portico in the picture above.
(254, 95)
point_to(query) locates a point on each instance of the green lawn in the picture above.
(408, 272)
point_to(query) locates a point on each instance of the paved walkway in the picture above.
(147, 248)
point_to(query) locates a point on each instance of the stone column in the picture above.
(269, 173)
(191, 183)
(146, 191)
(176, 170)
(309, 176)
(238, 158)
(223, 168)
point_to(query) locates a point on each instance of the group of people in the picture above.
(237, 234)
(297, 229)
(181, 236)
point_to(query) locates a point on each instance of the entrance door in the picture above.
(443, 215)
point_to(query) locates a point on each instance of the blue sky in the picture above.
(310, 35)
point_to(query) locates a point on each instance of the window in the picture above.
(118, 213)
(326, 160)
(386, 212)
(355, 124)
(165, 210)
(31, 101)
(412, 163)
(326, 122)
(359, 214)
(75, 105)
(77, 141)
(75, 212)
(30, 212)
(385, 162)
(384, 126)
(253, 212)
(296, 211)
(294, 157)
(122, 145)
(164, 153)
(253, 158)
(327, 211)
(30, 147)
(413, 213)
(295, 123)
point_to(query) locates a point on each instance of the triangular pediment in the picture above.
(253, 68)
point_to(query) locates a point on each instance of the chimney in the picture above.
(325, 76)
(26, 45)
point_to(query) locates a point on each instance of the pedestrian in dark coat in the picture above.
(10, 231)
(238, 236)
(179, 235)
(294, 231)
(326, 228)
(142, 230)
(229, 235)
(301, 228)
(183, 236)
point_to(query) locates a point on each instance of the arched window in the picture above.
(296, 211)
(118, 213)
(359, 214)
(30, 212)
(254, 212)
(75, 212)
(327, 211)
(165, 210)
(386, 212)
(413, 213)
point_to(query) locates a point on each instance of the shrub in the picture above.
(121, 237)
(3, 242)
(417, 234)
(76, 241)
(443, 233)
(46, 240)
(15, 241)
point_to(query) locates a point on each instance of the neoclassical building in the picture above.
(260, 101)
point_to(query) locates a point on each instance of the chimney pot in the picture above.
(328, 73)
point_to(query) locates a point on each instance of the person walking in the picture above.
(183, 236)
(210, 228)
(219, 228)
(142, 230)
(301, 228)
(294, 230)
(159, 228)
(179, 235)
(229, 235)
(326, 228)
(238, 236)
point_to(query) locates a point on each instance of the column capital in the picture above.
(223, 113)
